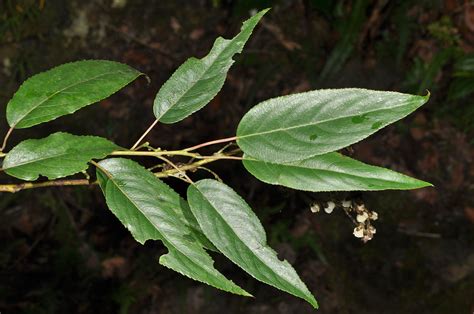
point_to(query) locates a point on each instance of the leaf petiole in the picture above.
(5, 139)
(135, 146)
(222, 140)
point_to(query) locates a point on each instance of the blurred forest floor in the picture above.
(62, 251)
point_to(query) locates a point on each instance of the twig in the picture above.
(144, 134)
(154, 153)
(222, 140)
(180, 171)
(172, 153)
(170, 172)
(202, 160)
(5, 140)
(216, 176)
(13, 188)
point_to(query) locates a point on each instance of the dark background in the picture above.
(62, 251)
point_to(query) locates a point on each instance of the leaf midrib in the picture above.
(227, 41)
(43, 159)
(59, 91)
(315, 123)
(209, 272)
(245, 244)
(146, 217)
(337, 172)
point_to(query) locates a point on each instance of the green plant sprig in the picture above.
(291, 141)
(182, 168)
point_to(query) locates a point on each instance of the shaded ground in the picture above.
(61, 250)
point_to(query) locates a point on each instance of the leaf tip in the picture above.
(422, 184)
(311, 300)
(428, 184)
(148, 79)
(246, 294)
(422, 99)
(258, 15)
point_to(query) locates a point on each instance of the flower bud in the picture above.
(359, 231)
(315, 208)
(373, 216)
(346, 204)
(362, 217)
(330, 207)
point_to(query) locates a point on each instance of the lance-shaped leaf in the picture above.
(300, 126)
(197, 81)
(235, 230)
(330, 172)
(58, 155)
(66, 89)
(150, 210)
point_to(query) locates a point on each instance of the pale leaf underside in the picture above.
(330, 172)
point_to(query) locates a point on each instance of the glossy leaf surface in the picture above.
(330, 172)
(300, 126)
(230, 224)
(151, 210)
(66, 89)
(58, 155)
(197, 81)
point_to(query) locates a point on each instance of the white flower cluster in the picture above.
(364, 229)
(363, 217)
(315, 208)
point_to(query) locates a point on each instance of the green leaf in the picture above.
(300, 126)
(66, 89)
(151, 210)
(197, 81)
(330, 172)
(58, 155)
(227, 220)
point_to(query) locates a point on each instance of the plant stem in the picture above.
(5, 140)
(217, 157)
(13, 188)
(183, 173)
(158, 154)
(222, 140)
(194, 165)
(153, 153)
(144, 134)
